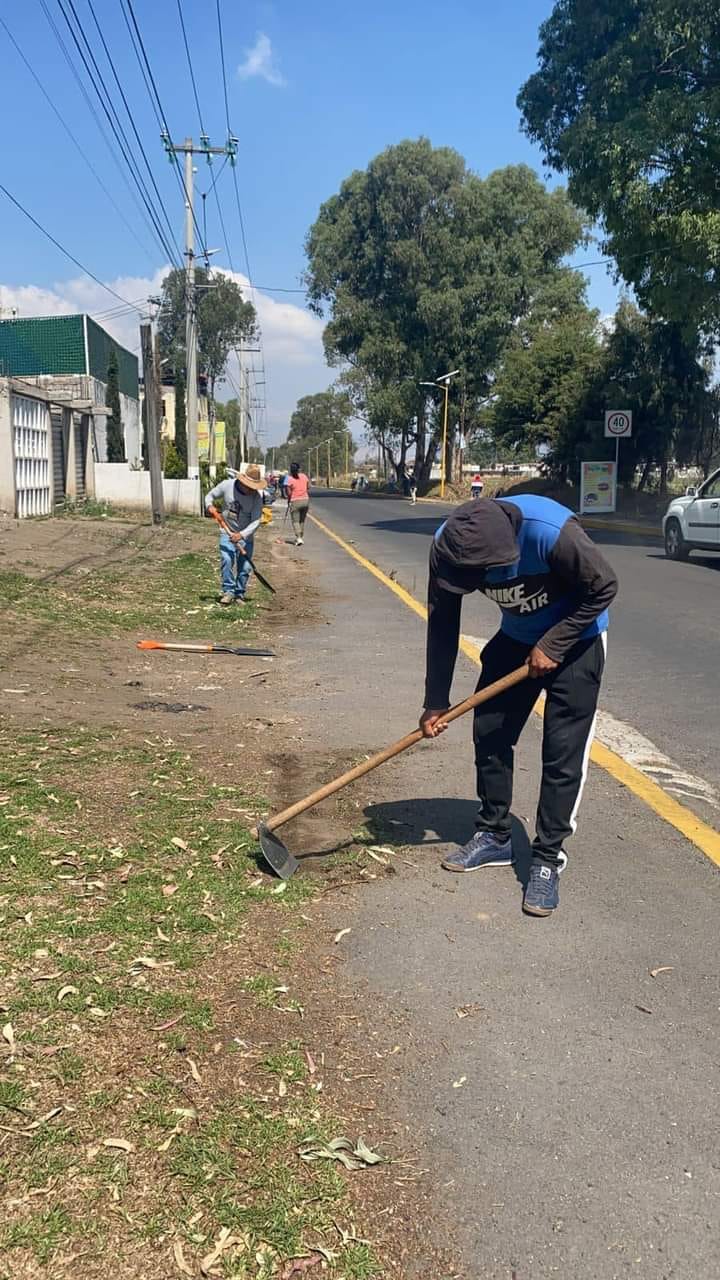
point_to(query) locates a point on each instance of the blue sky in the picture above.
(325, 87)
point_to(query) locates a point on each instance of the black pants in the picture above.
(572, 694)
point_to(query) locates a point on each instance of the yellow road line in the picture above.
(664, 805)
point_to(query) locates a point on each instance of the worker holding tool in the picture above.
(533, 558)
(297, 487)
(241, 500)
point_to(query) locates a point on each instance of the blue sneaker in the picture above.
(542, 892)
(482, 850)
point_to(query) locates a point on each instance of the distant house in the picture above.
(69, 357)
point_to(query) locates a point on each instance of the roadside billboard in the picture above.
(598, 487)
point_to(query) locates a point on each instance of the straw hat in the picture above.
(250, 478)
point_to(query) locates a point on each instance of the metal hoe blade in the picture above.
(276, 854)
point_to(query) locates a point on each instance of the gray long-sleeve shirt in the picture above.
(241, 510)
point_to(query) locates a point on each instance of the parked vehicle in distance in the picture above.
(693, 521)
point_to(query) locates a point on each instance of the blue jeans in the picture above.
(234, 566)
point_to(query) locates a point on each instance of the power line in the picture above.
(213, 185)
(241, 220)
(222, 64)
(190, 65)
(108, 194)
(142, 55)
(116, 127)
(131, 119)
(85, 270)
(122, 169)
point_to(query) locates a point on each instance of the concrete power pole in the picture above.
(190, 319)
(242, 407)
(152, 426)
(188, 150)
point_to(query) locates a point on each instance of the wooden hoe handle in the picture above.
(410, 739)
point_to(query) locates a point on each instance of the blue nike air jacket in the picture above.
(534, 559)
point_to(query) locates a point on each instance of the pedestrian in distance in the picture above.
(412, 486)
(533, 558)
(477, 484)
(297, 486)
(241, 502)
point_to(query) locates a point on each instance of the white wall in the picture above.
(117, 484)
(130, 415)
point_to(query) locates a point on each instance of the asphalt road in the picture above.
(663, 644)
(555, 1079)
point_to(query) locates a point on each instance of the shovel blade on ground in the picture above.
(275, 853)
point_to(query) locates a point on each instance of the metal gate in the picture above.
(81, 436)
(59, 455)
(31, 450)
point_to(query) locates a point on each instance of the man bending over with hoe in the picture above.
(533, 558)
(241, 501)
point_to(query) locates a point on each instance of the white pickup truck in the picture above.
(693, 521)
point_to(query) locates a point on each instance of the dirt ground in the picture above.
(76, 595)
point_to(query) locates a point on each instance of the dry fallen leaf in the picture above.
(194, 1071)
(224, 1242)
(118, 1144)
(179, 844)
(663, 968)
(9, 1035)
(341, 934)
(282, 1089)
(179, 1257)
(376, 857)
(66, 991)
(458, 1084)
(96, 1012)
(168, 890)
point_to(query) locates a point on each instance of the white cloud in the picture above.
(292, 337)
(259, 61)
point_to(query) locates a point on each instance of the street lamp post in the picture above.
(443, 383)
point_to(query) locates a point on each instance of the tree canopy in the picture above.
(626, 102)
(423, 267)
(318, 419)
(225, 321)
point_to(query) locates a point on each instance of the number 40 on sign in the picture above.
(618, 424)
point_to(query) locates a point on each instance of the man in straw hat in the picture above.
(240, 500)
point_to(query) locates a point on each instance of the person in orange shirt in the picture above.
(297, 487)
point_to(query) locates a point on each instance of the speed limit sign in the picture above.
(618, 423)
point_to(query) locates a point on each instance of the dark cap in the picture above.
(476, 537)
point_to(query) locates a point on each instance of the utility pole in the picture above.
(188, 150)
(242, 407)
(150, 379)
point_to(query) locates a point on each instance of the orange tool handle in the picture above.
(216, 516)
(186, 648)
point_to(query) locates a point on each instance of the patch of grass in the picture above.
(41, 1232)
(167, 596)
(12, 1095)
(359, 1263)
(288, 1063)
(90, 508)
(119, 877)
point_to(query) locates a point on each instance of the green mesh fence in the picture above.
(48, 344)
(56, 345)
